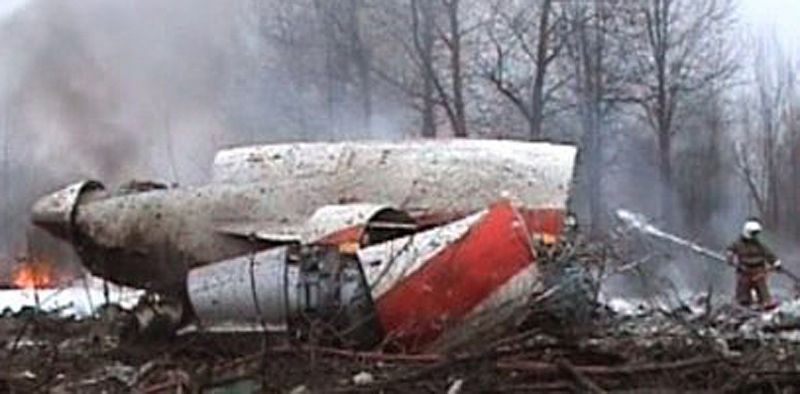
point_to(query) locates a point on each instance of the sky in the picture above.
(780, 16)
(8, 7)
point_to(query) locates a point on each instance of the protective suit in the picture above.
(753, 261)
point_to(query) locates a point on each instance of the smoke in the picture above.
(670, 270)
(116, 90)
(9, 7)
(108, 90)
(632, 182)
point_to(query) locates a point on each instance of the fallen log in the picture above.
(554, 387)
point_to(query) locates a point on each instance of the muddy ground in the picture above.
(682, 350)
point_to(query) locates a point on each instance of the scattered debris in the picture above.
(455, 388)
(77, 299)
(363, 378)
(301, 389)
(623, 346)
(250, 291)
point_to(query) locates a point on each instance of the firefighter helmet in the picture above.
(751, 228)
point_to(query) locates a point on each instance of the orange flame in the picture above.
(34, 275)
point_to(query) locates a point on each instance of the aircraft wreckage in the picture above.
(412, 244)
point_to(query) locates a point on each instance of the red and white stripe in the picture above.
(390, 263)
(443, 279)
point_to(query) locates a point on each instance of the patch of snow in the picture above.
(625, 307)
(75, 300)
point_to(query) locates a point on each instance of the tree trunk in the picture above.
(588, 49)
(665, 174)
(428, 120)
(794, 158)
(537, 94)
(773, 202)
(422, 28)
(594, 161)
(460, 124)
(362, 59)
(332, 85)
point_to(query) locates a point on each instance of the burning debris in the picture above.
(37, 284)
(34, 275)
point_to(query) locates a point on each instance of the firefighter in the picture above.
(753, 261)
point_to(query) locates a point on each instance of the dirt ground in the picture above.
(674, 351)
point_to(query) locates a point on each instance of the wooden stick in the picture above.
(583, 382)
(548, 368)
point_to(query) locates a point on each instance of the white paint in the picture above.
(387, 264)
(463, 175)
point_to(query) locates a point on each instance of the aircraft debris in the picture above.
(374, 267)
(349, 234)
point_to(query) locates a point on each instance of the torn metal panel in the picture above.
(359, 224)
(388, 264)
(430, 284)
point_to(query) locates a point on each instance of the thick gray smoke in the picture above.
(114, 90)
(110, 90)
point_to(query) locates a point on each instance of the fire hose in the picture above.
(640, 223)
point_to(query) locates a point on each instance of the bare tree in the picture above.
(434, 74)
(424, 25)
(592, 53)
(524, 32)
(346, 53)
(701, 179)
(677, 47)
(791, 191)
(763, 153)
